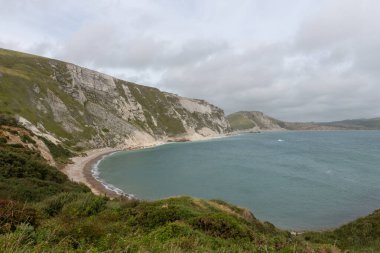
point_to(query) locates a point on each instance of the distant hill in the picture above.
(258, 121)
(254, 121)
(41, 210)
(61, 106)
(355, 124)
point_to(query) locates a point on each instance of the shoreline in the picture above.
(81, 168)
(96, 186)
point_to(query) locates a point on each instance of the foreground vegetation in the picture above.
(42, 211)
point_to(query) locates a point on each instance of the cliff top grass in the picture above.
(42, 211)
(239, 121)
(50, 94)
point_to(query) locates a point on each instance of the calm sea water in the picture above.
(295, 180)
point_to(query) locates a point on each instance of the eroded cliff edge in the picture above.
(88, 109)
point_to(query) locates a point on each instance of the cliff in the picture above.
(88, 109)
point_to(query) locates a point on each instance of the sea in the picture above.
(296, 180)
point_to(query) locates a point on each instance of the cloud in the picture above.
(101, 45)
(299, 60)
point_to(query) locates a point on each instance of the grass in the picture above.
(42, 211)
(25, 83)
(361, 235)
(28, 83)
(58, 152)
(156, 105)
(239, 121)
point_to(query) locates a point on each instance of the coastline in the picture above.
(81, 168)
(96, 186)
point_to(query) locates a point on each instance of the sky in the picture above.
(295, 60)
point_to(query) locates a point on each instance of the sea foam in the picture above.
(96, 174)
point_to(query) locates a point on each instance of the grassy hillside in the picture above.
(253, 120)
(356, 124)
(42, 211)
(256, 121)
(89, 109)
(239, 122)
(361, 235)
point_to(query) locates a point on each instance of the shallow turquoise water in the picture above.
(295, 180)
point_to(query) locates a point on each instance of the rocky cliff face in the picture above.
(85, 108)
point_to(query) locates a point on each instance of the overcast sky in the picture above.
(296, 60)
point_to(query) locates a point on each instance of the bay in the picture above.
(295, 180)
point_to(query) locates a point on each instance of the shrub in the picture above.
(12, 214)
(170, 231)
(57, 151)
(7, 120)
(84, 206)
(54, 205)
(221, 225)
(16, 145)
(149, 216)
(27, 139)
(21, 240)
(3, 140)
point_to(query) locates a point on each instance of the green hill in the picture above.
(42, 211)
(87, 109)
(257, 121)
(254, 121)
(49, 109)
(355, 124)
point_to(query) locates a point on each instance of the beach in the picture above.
(80, 170)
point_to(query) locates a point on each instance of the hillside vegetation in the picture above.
(64, 108)
(87, 109)
(42, 211)
(355, 124)
(258, 121)
(253, 121)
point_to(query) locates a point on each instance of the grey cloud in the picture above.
(101, 45)
(303, 60)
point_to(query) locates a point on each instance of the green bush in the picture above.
(7, 120)
(57, 151)
(52, 206)
(25, 176)
(361, 235)
(27, 139)
(21, 240)
(84, 206)
(3, 140)
(13, 214)
(221, 225)
(149, 216)
(16, 145)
